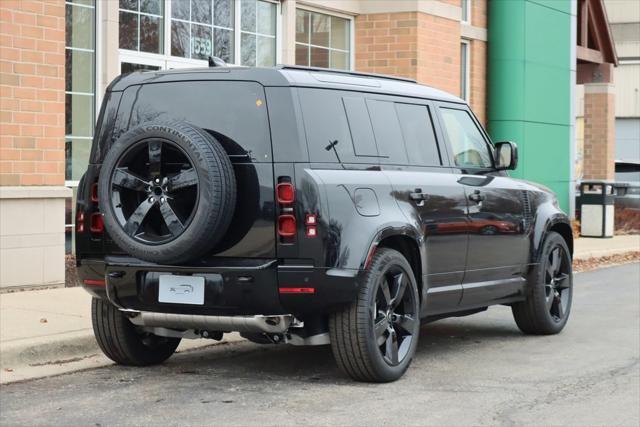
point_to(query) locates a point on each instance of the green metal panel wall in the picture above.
(530, 91)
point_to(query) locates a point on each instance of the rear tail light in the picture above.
(286, 193)
(80, 222)
(312, 231)
(97, 223)
(287, 225)
(94, 192)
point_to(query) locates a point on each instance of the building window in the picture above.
(466, 11)
(79, 95)
(141, 25)
(464, 70)
(202, 28)
(322, 40)
(258, 33)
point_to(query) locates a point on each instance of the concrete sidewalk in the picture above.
(590, 247)
(48, 332)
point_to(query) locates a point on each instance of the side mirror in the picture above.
(506, 155)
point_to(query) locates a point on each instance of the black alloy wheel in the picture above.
(557, 284)
(394, 316)
(154, 191)
(547, 306)
(375, 338)
(167, 192)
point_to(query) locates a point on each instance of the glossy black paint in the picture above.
(471, 235)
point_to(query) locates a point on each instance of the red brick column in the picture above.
(32, 57)
(599, 131)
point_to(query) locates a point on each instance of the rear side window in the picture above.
(419, 135)
(387, 131)
(234, 112)
(329, 132)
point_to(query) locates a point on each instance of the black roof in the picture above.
(295, 76)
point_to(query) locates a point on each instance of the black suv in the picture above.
(307, 206)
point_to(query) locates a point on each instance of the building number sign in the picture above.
(200, 46)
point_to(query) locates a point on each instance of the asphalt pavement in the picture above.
(476, 370)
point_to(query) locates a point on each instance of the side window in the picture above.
(386, 128)
(326, 126)
(364, 143)
(470, 149)
(419, 135)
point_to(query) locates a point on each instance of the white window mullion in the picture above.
(237, 51)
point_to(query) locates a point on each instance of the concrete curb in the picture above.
(602, 253)
(53, 355)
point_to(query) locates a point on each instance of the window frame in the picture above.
(168, 60)
(485, 136)
(465, 84)
(465, 10)
(351, 22)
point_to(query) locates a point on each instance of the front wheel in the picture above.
(121, 342)
(375, 338)
(548, 304)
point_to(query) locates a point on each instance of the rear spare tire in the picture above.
(167, 192)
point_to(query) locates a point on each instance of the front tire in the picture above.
(121, 342)
(374, 339)
(548, 304)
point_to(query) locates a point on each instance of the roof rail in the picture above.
(351, 73)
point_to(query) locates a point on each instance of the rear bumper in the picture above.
(235, 289)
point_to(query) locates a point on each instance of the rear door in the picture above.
(426, 190)
(499, 217)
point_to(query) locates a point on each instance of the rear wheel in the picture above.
(122, 342)
(547, 307)
(375, 338)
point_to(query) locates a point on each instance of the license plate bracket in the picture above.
(175, 289)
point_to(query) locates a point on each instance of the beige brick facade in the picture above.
(32, 38)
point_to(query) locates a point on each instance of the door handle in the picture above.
(476, 196)
(418, 196)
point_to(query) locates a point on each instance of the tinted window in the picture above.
(419, 136)
(327, 128)
(469, 147)
(386, 128)
(364, 143)
(235, 112)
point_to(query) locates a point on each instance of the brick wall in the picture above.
(386, 43)
(424, 47)
(32, 58)
(599, 132)
(439, 52)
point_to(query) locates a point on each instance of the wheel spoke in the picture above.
(125, 179)
(391, 350)
(171, 219)
(400, 285)
(184, 179)
(379, 329)
(549, 295)
(155, 158)
(562, 281)
(555, 261)
(135, 220)
(384, 288)
(558, 306)
(406, 323)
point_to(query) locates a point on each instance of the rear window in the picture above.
(234, 112)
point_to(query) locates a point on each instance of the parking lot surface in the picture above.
(476, 370)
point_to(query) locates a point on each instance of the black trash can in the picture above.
(597, 208)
